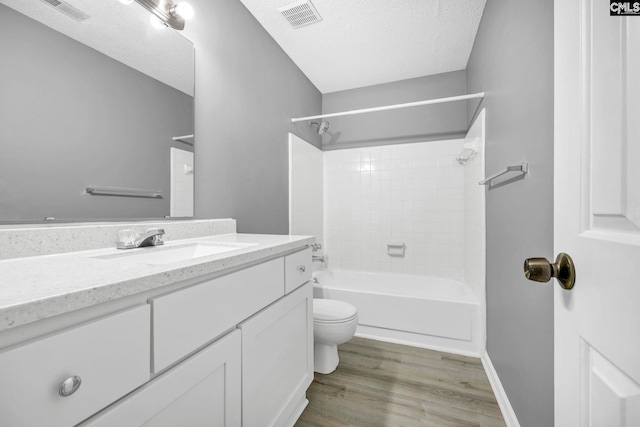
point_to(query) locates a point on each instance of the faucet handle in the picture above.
(158, 231)
(126, 237)
(156, 236)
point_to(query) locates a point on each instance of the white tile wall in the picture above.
(410, 193)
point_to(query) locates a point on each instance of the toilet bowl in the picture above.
(334, 323)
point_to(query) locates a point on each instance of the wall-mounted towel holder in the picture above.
(184, 139)
(521, 168)
(95, 190)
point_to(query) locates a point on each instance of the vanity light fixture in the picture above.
(170, 14)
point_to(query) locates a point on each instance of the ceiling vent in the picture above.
(300, 13)
(71, 11)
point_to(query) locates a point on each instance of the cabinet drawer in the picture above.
(297, 269)
(187, 319)
(109, 355)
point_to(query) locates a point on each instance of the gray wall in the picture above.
(247, 90)
(73, 117)
(512, 61)
(416, 124)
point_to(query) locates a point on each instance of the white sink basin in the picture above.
(169, 255)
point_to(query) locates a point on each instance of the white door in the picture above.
(597, 215)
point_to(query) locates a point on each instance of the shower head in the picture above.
(322, 126)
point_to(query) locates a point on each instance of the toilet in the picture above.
(334, 323)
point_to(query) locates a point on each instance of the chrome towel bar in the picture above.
(522, 168)
(183, 139)
(95, 190)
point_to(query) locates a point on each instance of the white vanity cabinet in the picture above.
(227, 351)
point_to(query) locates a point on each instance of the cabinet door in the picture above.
(277, 360)
(203, 391)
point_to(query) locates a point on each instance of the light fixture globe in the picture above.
(184, 10)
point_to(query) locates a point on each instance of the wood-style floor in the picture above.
(384, 384)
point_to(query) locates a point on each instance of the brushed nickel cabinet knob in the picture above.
(69, 386)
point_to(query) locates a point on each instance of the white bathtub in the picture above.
(429, 312)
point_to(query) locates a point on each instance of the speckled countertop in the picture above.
(39, 287)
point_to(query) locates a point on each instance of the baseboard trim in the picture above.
(501, 396)
(410, 343)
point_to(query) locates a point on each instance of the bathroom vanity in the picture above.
(220, 339)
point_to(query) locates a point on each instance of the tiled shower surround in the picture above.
(409, 193)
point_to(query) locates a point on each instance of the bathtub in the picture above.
(422, 311)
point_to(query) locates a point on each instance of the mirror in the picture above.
(92, 96)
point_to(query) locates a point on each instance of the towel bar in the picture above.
(523, 168)
(125, 192)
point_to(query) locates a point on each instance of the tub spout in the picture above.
(317, 258)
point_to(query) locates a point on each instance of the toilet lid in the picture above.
(330, 310)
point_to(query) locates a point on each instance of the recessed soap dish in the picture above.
(396, 249)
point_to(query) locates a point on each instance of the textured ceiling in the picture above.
(123, 33)
(366, 42)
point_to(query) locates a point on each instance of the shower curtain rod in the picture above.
(391, 107)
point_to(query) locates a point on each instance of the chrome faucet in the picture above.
(129, 239)
(317, 258)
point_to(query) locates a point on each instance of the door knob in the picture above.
(541, 270)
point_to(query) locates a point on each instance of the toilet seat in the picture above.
(333, 311)
(337, 321)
